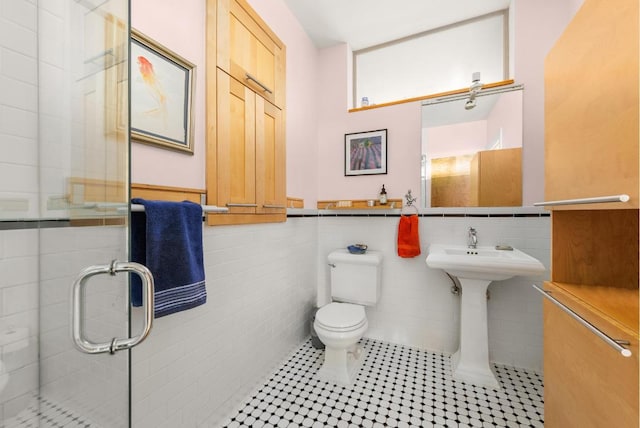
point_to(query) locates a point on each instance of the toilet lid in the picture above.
(341, 316)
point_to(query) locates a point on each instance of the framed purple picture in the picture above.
(365, 153)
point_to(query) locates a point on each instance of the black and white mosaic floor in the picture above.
(42, 413)
(397, 386)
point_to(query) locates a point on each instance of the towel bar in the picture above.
(205, 208)
(410, 206)
(121, 208)
(616, 344)
(596, 200)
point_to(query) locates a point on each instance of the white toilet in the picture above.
(355, 283)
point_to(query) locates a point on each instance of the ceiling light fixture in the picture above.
(475, 87)
(471, 103)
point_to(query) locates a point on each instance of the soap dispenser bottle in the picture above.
(383, 196)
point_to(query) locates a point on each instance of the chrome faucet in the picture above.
(472, 238)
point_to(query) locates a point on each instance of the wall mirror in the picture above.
(472, 154)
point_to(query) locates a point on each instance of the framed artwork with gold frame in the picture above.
(162, 84)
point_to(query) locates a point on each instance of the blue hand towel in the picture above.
(167, 238)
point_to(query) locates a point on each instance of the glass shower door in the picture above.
(64, 180)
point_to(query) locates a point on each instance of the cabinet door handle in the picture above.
(273, 206)
(232, 205)
(259, 83)
(616, 344)
(596, 200)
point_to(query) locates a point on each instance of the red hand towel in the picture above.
(408, 237)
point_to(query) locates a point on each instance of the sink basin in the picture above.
(475, 268)
(482, 262)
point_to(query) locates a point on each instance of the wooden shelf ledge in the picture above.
(358, 204)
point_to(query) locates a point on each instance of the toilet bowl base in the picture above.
(341, 366)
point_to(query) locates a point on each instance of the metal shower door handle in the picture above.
(116, 344)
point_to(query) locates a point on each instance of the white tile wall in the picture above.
(18, 109)
(197, 365)
(18, 318)
(416, 307)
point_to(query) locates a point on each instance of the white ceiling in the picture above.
(365, 23)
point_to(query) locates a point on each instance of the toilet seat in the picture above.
(341, 317)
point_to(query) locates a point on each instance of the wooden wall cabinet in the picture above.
(249, 51)
(493, 179)
(591, 106)
(496, 178)
(591, 149)
(246, 161)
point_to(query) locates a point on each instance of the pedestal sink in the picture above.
(476, 268)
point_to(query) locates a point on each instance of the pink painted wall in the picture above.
(403, 136)
(454, 140)
(181, 28)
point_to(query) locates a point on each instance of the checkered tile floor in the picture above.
(42, 413)
(396, 386)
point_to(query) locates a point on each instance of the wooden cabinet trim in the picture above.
(232, 219)
(166, 193)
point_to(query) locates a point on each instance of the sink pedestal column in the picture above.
(471, 360)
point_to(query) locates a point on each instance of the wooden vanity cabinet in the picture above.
(246, 161)
(588, 383)
(591, 150)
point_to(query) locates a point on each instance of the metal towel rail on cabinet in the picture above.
(616, 344)
(205, 208)
(596, 200)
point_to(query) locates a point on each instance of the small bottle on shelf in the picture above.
(383, 196)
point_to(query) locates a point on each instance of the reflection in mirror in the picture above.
(472, 156)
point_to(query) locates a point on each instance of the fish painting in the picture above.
(152, 83)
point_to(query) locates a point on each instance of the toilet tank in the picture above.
(355, 278)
